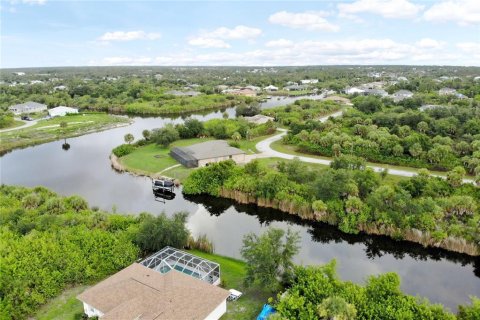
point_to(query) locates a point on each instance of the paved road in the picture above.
(267, 152)
(26, 125)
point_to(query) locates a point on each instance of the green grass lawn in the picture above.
(14, 124)
(233, 272)
(152, 159)
(64, 307)
(49, 129)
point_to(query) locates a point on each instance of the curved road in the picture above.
(267, 152)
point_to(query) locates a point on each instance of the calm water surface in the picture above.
(85, 170)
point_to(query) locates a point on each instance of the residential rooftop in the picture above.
(138, 292)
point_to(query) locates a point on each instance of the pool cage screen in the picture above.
(173, 259)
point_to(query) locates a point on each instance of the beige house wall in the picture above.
(237, 158)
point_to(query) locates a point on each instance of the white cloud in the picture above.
(208, 43)
(239, 32)
(215, 38)
(280, 43)
(310, 20)
(471, 48)
(135, 61)
(319, 52)
(463, 12)
(129, 36)
(386, 8)
(428, 43)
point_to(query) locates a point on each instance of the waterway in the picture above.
(85, 170)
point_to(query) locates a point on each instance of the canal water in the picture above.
(85, 170)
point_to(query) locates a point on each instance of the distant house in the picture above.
(376, 92)
(402, 95)
(339, 99)
(477, 78)
(59, 88)
(295, 87)
(447, 91)
(354, 90)
(201, 154)
(61, 111)
(309, 81)
(189, 93)
(19, 73)
(241, 92)
(27, 107)
(259, 119)
(402, 79)
(430, 107)
(159, 288)
(254, 88)
(270, 88)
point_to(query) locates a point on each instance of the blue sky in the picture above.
(39, 33)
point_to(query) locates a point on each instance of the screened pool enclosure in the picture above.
(173, 259)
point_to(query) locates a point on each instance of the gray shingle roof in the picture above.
(210, 149)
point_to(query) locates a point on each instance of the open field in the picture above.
(50, 130)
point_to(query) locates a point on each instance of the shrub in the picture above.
(123, 149)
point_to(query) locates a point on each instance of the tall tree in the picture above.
(269, 256)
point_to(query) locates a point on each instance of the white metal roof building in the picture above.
(61, 111)
(170, 258)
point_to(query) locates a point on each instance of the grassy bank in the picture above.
(50, 130)
(153, 159)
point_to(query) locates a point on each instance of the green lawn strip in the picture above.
(50, 130)
(64, 307)
(233, 272)
(290, 149)
(14, 124)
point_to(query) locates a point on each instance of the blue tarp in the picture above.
(266, 311)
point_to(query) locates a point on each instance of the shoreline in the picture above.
(90, 131)
(457, 245)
